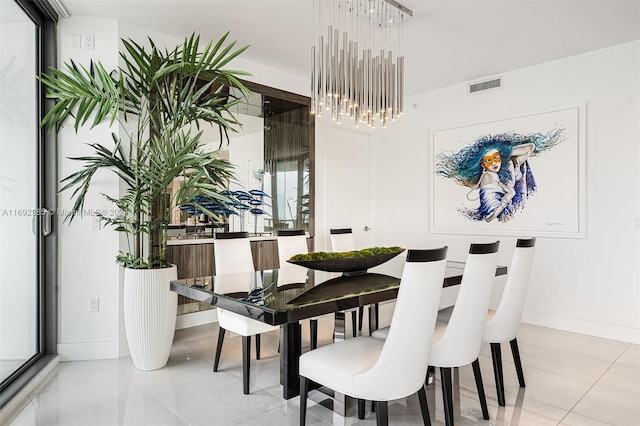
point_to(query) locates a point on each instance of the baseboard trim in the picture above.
(581, 326)
(14, 407)
(88, 351)
(196, 318)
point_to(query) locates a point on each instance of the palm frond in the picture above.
(168, 92)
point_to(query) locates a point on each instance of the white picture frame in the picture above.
(555, 208)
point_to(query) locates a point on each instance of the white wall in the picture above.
(589, 285)
(87, 265)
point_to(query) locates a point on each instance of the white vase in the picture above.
(150, 309)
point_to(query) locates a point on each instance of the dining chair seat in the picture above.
(383, 370)
(238, 324)
(438, 331)
(338, 365)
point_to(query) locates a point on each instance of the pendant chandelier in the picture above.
(357, 67)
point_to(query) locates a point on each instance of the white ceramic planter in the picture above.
(150, 310)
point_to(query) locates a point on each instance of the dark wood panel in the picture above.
(193, 260)
(265, 254)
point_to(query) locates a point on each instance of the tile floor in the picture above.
(572, 380)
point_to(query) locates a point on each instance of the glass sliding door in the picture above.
(23, 226)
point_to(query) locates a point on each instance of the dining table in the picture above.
(285, 296)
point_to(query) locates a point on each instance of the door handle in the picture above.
(366, 228)
(47, 223)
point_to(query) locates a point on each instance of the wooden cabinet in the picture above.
(197, 260)
(265, 254)
(192, 260)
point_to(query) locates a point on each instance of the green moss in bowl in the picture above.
(348, 262)
(325, 255)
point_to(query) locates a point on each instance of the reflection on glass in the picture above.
(18, 190)
(287, 162)
(271, 156)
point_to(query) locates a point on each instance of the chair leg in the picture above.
(483, 399)
(373, 318)
(496, 356)
(517, 361)
(424, 407)
(361, 407)
(447, 395)
(354, 323)
(246, 357)
(431, 375)
(313, 326)
(360, 317)
(216, 360)
(382, 413)
(304, 391)
(257, 346)
(376, 309)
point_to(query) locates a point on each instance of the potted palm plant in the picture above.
(159, 98)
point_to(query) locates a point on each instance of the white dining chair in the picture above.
(291, 242)
(503, 323)
(383, 370)
(232, 254)
(457, 343)
(342, 240)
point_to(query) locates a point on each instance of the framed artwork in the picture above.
(519, 176)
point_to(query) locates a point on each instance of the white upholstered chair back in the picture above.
(290, 243)
(461, 341)
(402, 365)
(232, 253)
(504, 325)
(342, 239)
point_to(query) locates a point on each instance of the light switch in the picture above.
(96, 225)
(76, 41)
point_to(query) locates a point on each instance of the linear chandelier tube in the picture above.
(349, 80)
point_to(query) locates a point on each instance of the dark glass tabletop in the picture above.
(281, 296)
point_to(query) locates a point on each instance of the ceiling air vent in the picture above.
(485, 85)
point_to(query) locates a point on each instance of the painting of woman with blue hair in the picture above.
(497, 172)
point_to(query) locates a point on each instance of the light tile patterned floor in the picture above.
(572, 380)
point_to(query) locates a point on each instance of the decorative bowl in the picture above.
(347, 265)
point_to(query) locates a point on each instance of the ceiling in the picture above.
(445, 42)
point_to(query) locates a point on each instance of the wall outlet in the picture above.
(88, 42)
(94, 304)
